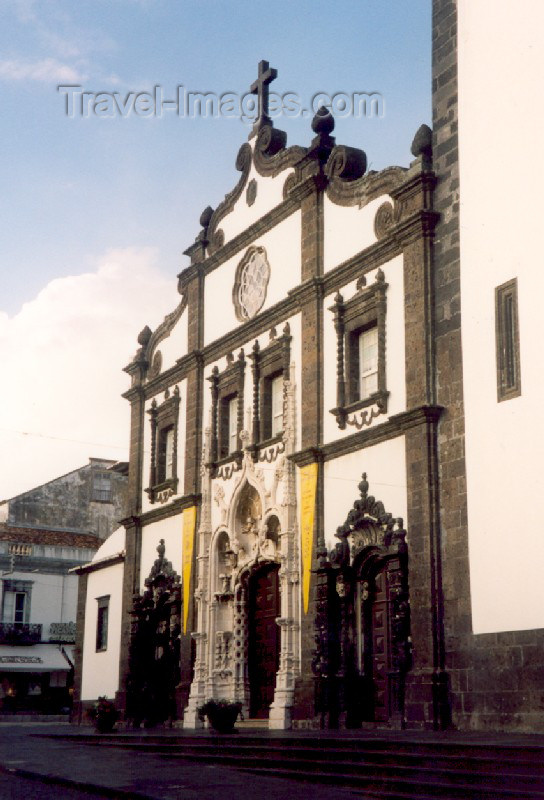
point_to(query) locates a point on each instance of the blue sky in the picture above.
(77, 189)
(74, 187)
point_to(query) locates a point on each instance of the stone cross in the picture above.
(260, 87)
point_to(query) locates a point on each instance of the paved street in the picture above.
(13, 787)
(109, 772)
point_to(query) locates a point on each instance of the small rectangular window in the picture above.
(102, 488)
(102, 623)
(507, 341)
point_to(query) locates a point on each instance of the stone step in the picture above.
(468, 757)
(380, 767)
(387, 786)
(252, 725)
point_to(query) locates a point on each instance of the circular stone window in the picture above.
(252, 276)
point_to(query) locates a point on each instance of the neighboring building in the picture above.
(332, 432)
(91, 499)
(38, 622)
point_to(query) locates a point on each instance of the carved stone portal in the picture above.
(244, 652)
(154, 660)
(363, 623)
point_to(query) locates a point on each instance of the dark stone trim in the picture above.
(162, 417)
(104, 563)
(165, 328)
(363, 190)
(366, 309)
(169, 510)
(273, 359)
(242, 240)
(229, 382)
(395, 426)
(214, 234)
(507, 334)
(310, 455)
(248, 255)
(270, 155)
(376, 255)
(82, 584)
(274, 315)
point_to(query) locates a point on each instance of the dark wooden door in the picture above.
(380, 647)
(375, 638)
(264, 639)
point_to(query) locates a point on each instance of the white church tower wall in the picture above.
(501, 170)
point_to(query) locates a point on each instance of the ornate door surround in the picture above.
(363, 624)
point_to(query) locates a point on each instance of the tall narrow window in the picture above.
(507, 341)
(102, 622)
(19, 610)
(166, 454)
(277, 404)
(233, 424)
(368, 362)
(169, 453)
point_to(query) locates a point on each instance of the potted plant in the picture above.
(221, 714)
(104, 715)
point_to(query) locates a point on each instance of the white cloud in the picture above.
(62, 357)
(47, 70)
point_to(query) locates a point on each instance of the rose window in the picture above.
(251, 282)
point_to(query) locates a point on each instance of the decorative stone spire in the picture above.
(323, 143)
(422, 144)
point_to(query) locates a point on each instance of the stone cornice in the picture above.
(368, 259)
(395, 426)
(419, 225)
(178, 372)
(103, 563)
(170, 509)
(249, 330)
(270, 220)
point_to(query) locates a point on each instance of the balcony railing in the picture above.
(16, 633)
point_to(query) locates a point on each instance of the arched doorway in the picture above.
(363, 619)
(263, 638)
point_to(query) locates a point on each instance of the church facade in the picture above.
(298, 459)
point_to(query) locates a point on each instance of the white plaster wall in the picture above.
(146, 461)
(101, 670)
(170, 530)
(348, 230)
(385, 465)
(501, 126)
(269, 195)
(394, 350)
(282, 245)
(53, 598)
(175, 344)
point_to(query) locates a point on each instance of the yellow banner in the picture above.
(189, 522)
(308, 485)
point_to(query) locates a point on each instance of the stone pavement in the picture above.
(117, 773)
